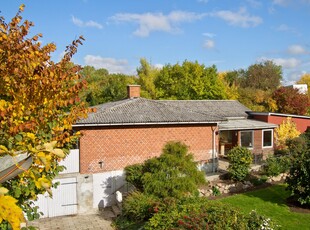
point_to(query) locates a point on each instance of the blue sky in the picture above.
(230, 34)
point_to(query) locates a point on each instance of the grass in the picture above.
(270, 202)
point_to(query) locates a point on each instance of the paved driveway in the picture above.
(80, 222)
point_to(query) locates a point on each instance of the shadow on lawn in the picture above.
(275, 194)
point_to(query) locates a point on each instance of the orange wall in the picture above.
(119, 147)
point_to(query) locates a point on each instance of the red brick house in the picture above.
(135, 129)
(302, 122)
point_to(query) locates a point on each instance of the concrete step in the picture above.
(108, 213)
(116, 210)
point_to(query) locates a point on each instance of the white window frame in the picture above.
(252, 143)
(265, 130)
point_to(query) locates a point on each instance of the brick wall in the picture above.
(119, 147)
(258, 144)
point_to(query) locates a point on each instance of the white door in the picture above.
(64, 201)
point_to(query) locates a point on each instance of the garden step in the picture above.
(116, 210)
(108, 213)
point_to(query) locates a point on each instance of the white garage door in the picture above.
(64, 201)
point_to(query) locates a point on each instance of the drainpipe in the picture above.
(213, 149)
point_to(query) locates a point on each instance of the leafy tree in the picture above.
(38, 105)
(265, 76)
(284, 132)
(147, 76)
(256, 85)
(235, 77)
(299, 177)
(290, 101)
(229, 85)
(172, 174)
(189, 81)
(104, 87)
(257, 99)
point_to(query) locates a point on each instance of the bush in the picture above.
(173, 174)
(259, 180)
(139, 206)
(134, 175)
(274, 166)
(240, 160)
(281, 152)
(299, 177)
(201, 213)
(296, 145)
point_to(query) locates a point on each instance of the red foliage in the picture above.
(291, 101)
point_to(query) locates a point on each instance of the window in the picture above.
(247, 139)
(267, 138)
(226, 137)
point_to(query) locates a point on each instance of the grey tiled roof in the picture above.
(242, 124)
(222, 108)
(145, 111)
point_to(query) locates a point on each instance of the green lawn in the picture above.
(270, 202)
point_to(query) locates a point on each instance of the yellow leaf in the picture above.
(3, 149)
(3, 191)
(59, 153)
(10, 212)
(31, 136)
(45, 183)
(50, 146)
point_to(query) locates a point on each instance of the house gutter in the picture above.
(143, 123)
(213, 149)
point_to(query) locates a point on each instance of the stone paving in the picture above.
(80, 222)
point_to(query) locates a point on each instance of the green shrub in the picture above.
(297, 144)
(191, 213)
(200, 213)
(274, 166)
(281, 152)
(259, 180)
(134, 175)
(139, 206)
(240, 160)
(173, 174)
(299, 178)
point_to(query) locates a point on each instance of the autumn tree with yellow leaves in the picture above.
(287, 130)
(38, 105)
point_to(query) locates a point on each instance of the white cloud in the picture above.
(80, 23)
(209, 35)
(241, 18)
(296, 50)
(111, 64)
(286, 63)
(284, 27)
(209, 44)
(293, 76)
(149, 22)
